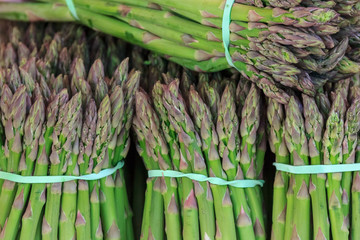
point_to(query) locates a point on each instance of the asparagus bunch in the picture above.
(326, 130)
(62, 115)
(275, 44)
(197, 130)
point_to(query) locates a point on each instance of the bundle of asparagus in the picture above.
(59, 118)
(321, 130)
(275, 44)
(197, 130)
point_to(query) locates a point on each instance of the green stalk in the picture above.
(33, 127)
(355, 198)
(314, 123)
(83, 220)
(202, 119)
(296, 142)
(289, 221)
(120, 198)
(189, 207)
(275, 117)
(96, 227)
(229, 148)
(34, 211)
(332, 150)
(190, 148)
(147, 125)
(351, 128)
(14, 129)
(68, 201)
(64, 129)
(248, 129)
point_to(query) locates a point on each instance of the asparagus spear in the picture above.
(156, 147)
(190, 148)
(314, 123)
(32, 130)
(276, 117)
(355, 194)
(14, 125)
(229, 148)
(69, 196)
(202, 119)
(351, 129)
(83, 221)
(296, 143)
(248, 130)
(101, 156)
(33, 213)
(189, 205)
(63, 137)
(333, 155)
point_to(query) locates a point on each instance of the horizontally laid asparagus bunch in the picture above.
(192, 126)
(275, 44)
(316, 131)
(61, 115)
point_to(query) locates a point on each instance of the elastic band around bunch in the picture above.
(226, 31)
(55, 179)
(317, 169)
(246, 183)
(72, 8)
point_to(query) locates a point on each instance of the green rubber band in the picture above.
(226, 31)
(317, 169)
(72, 8)
(246, 183)
(55, 179)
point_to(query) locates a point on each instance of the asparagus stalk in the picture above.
(157, 150)
(333, 155)
(63, 137)
(355, 195)
(351, 129)
(240, 12)
(189, 207)
(31, 218)
(32, 130)
(68, 201)
(83, 220)
(276, 117)
(229, 149)
(297, 145)
(13, 130)
(202, 119)
(190, 148)
(314, 123)
(248, 129)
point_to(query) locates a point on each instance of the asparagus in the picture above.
(333, 155)
(33, 213)
(351, 129)
(248, 130)
(144, 33)
(32, 130)
(68, 200)
(355, 213)
(146, 121)
(297, 145)
(202, 119)
(14, 125)
(229, 149)
(190, 148)
(275, 117)
(83, 227)
(63, 137)
(314, 123)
